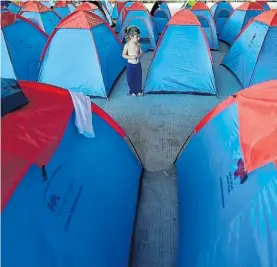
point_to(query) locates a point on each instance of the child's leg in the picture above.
(130, 78)
(138, 79)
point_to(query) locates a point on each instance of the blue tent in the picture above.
(62, 9)
(120, 16)
(202, 12)
(85, 57)
(253, 56)
(137, 15)
(221, 11)
(67, 200)
(238, 20)
(227, 184)
(41, 15)
(182, 60)
(22, 45)
(161, 17)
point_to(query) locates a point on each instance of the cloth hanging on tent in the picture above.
(83, 120)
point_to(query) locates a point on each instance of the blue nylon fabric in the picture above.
(243, 231)
(181, 63)
(146, 25)
(246, 52)
(50, 21)
(235, 24)
(71, 8)
(71, 62)
(110, 54)
(25, 44)
(35, 18)
(160, 24)
(95, 191)
(120, 17)
(13, 8)
(7, 70)
(206, 20)
(221, 12)
(266, 66)
(62, 11)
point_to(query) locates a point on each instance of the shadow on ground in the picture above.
(158, 125)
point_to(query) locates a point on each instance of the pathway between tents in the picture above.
(158, 125)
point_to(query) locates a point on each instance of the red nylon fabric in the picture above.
(269, 17)
(32, 134)
(184, 17)
(200, 6)
(33, 6)
(80, 20)
(250, 6)
(257, 117)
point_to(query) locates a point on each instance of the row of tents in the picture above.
(83, 43)
(69, 200)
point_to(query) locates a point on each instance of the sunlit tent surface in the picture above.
(238, 20)
(161, 16)
(221, 11)
(83, 54)
(205, 17)
(227, 184)
(22, 43)
(41, 15)
(253, 56)
(182, 60)
(67, 200)
(137, 15)
(62, 9)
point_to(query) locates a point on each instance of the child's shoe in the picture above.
(133, 94)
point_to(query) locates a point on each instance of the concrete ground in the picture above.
(158, 125)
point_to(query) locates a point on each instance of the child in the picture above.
(132, 52)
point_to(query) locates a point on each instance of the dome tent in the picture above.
(253, 56)
(238, 20)
(202, 12)
(182, 38)
(66, 202)
(41, 15)
(227, 186)
(78, 58)
(221, 11)
(22, 43)
(137, 15)
(161, 15)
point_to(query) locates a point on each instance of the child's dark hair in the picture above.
(131, 31)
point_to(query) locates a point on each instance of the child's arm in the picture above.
(125, 53)
(140, 52)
